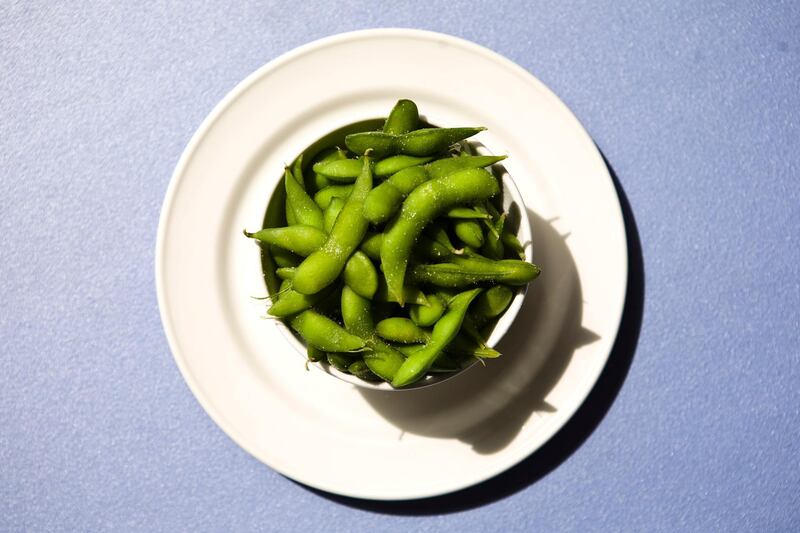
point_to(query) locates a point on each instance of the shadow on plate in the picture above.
(512, 389)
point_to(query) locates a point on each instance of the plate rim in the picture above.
(178, 175)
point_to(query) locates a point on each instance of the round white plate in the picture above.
(324, 432)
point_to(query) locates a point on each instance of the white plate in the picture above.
(329, 434)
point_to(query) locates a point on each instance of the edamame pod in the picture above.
(396, 163)
(371, 245)
(427, 315)
(324, 196)
(494, 301)
(402, 330)
(450, 165)
(422, 206)
(315, 354)
(323, 266)
(360, 369)
(470, 232)
(292, 302)
(360, 275)
(282, 257)
(461, 212)
(342, 170)
(403, 118)
(331, 212)
(305, 211)
(285, 272)
(302, 240)
(340, 362)
(410, 294)
(385, 199)
(463, 272)
(325, 334)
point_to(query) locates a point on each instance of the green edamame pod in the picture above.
(315, 354)
(403, 118)
(282, 257)
(381, 144)
(302, 240)
(331, 212)
(426, 316)
(429, 249)
(437, 232)
(408, 349)
(323, 266)
(423, 205)
(466, 213)
(410, 294)
(423, 142)
(402, 330)
(443, 333)
(382, 359)
(325, 334)
(494, 301)
(360, 369)
(371, 245)
(361, 275)
(449, 165)
(342, 170)
(470, 232)
(340, 361)
(385, 199)
(396, 163)
(285, 272)
(297, 171)
(319, 181)
(324, 196)
(463, 272)
(511, 241)
(306, 212)
(292, 302)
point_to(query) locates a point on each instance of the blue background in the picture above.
(696, 108)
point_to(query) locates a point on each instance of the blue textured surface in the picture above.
(697, 109)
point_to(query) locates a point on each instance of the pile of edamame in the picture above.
(396, 259)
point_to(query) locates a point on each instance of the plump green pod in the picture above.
(341, 362)
(325, 334)
(443, 333)
(282, 257)
(371, 245)
(385, 199)
(429, 141)
(396, 163)
(382, 359)
(319, 181)
(449, 165)
(423, 142)
(292, 302)
(426, 316)
(381, 144)
(302, 240)
(423, 205)
(403, 118)
(315, 354)
(285, 272)
(323, 266)
(361, 275)
(331, 213)
(402, 330)
(297, 171)
(408, 349)
(470, 232)
(465, 272)
(494, 301)
(342, 170)
(305, 211)
(324, 196)
(512, 243)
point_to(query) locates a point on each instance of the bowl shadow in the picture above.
(506, 393)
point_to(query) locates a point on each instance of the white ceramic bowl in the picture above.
(511, 197)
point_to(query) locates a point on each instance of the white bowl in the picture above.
(511, 197)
